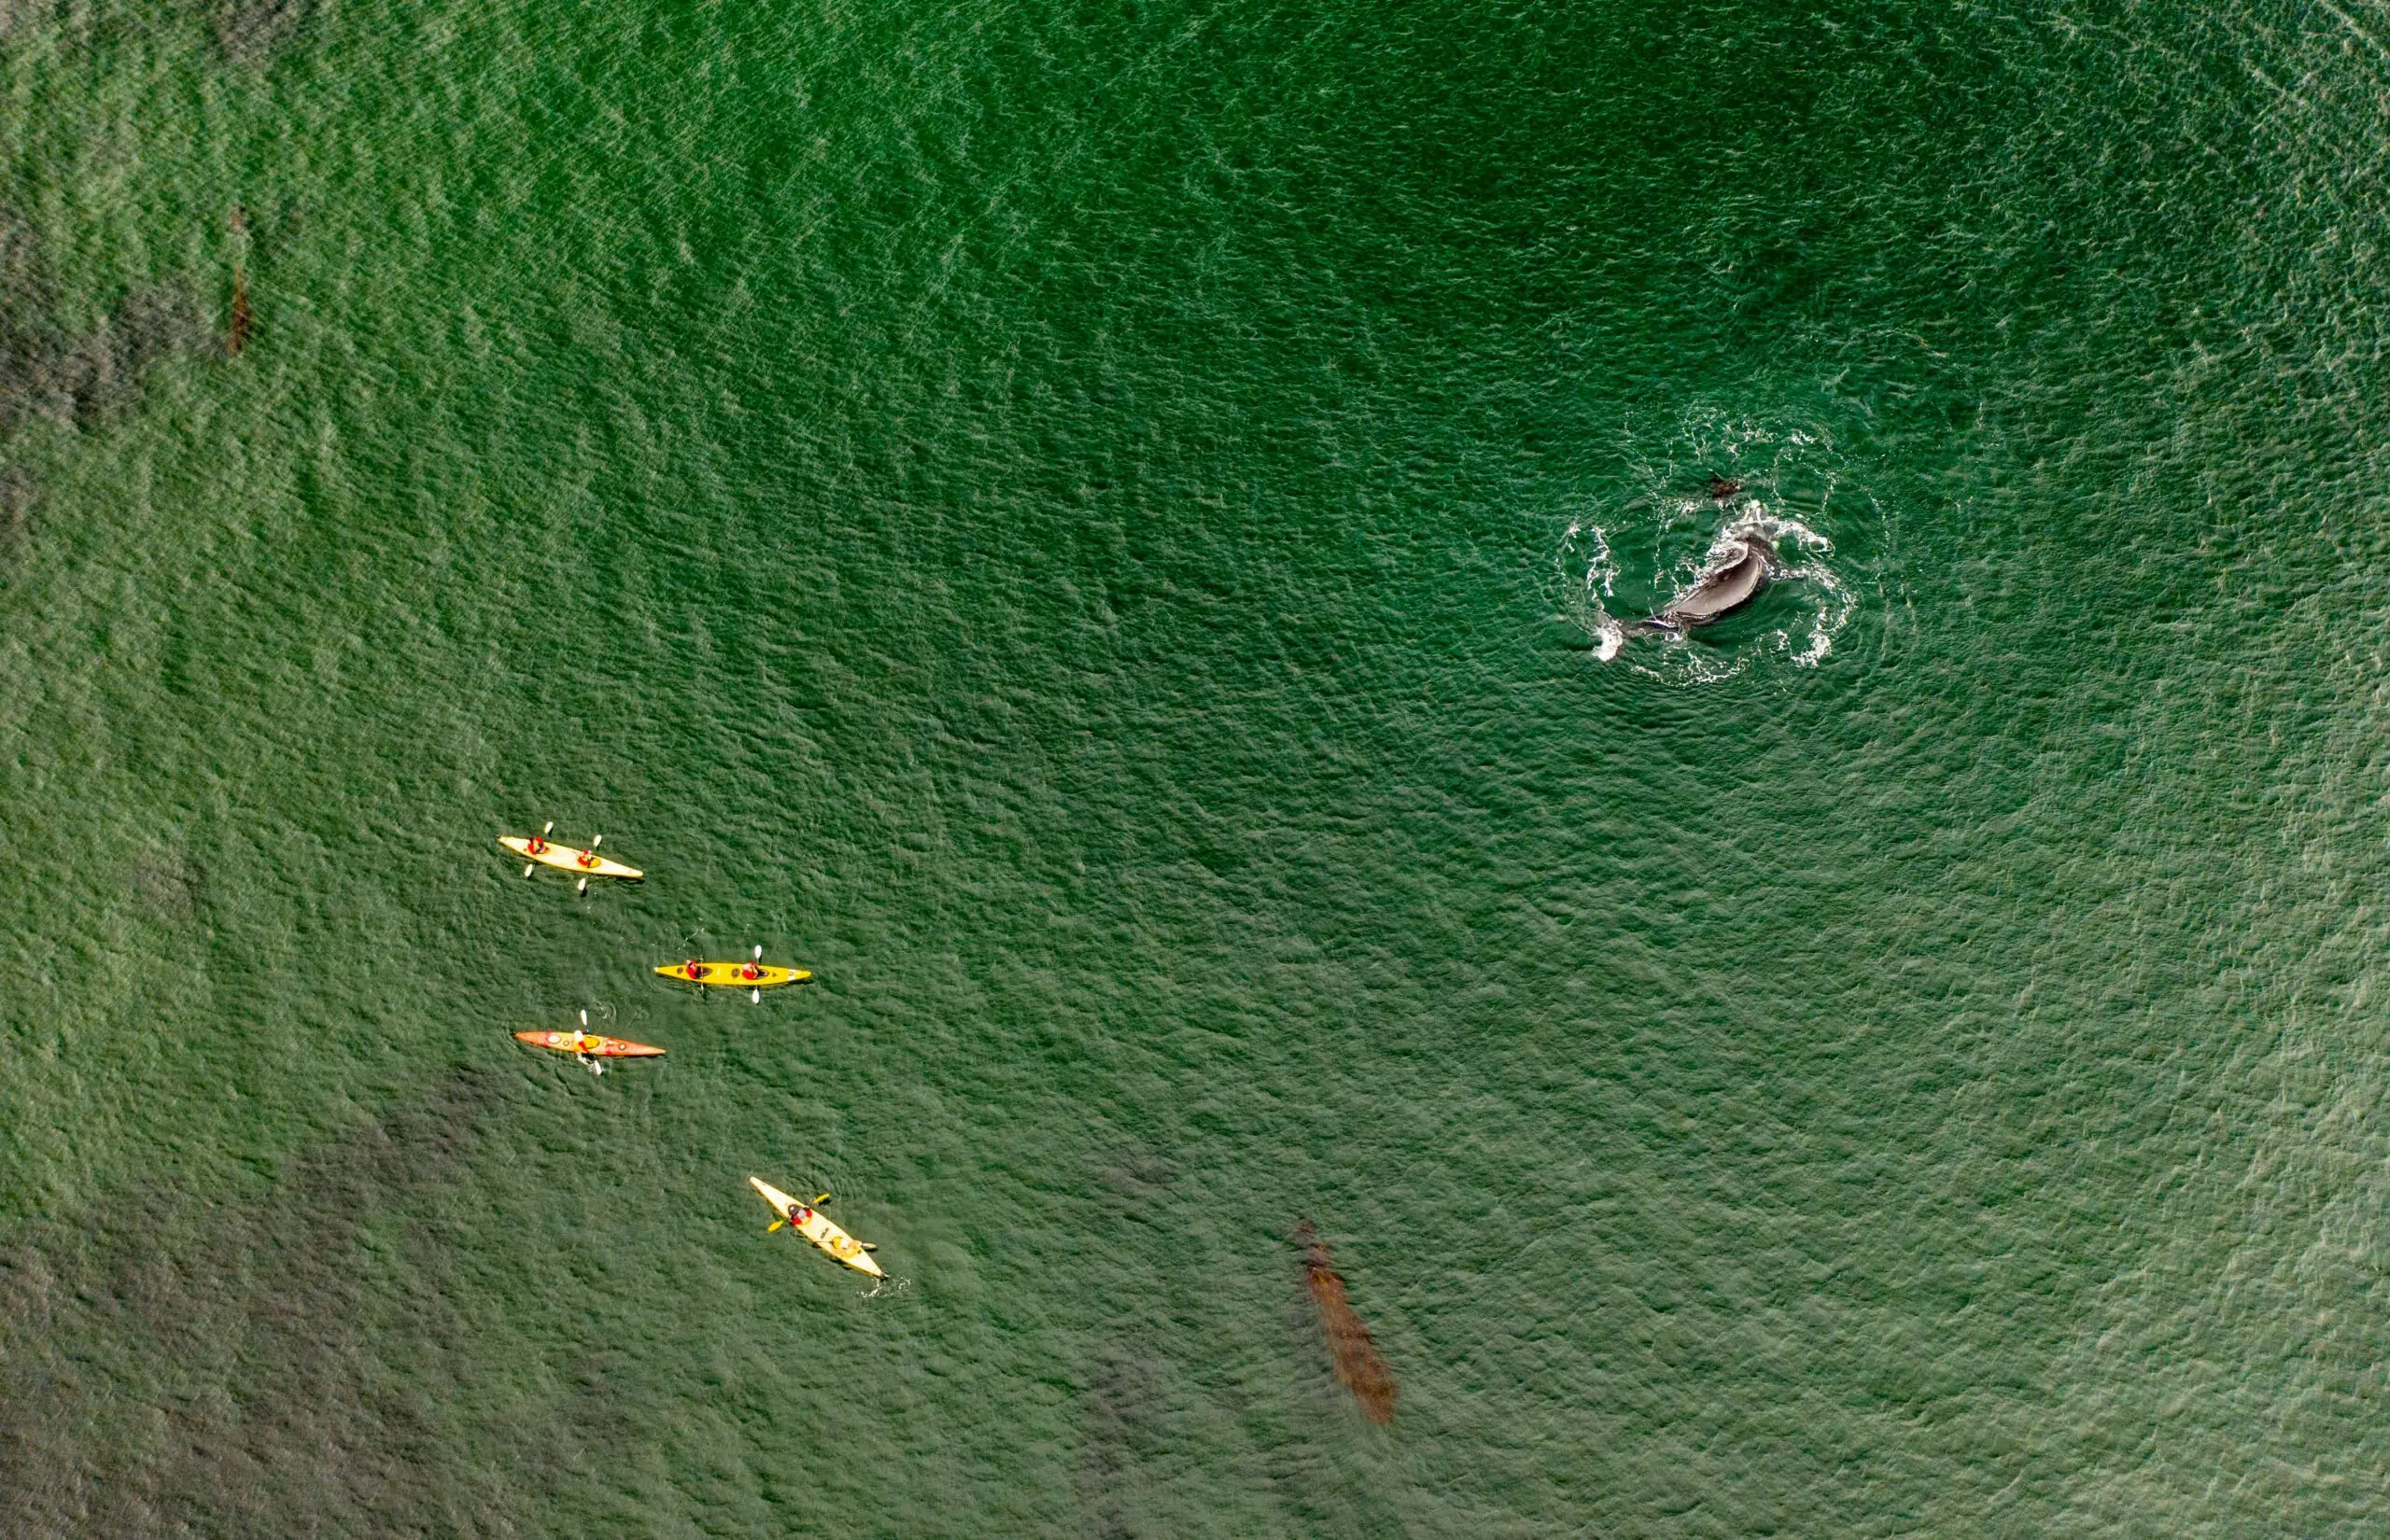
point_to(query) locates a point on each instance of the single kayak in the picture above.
(733, 976)
(808, 1223)
(589, 864)
(589, 1044)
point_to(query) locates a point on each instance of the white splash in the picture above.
(1821, 603)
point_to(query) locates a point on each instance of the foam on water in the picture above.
(1658, 540)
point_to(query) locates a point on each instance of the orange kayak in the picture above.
(589, 1044)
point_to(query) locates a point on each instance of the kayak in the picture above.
(809, 1223)
(589, 1044)
(733, 976)
(589, 864)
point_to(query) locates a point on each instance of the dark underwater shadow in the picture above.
(177, 1365)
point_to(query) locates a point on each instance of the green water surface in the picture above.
(1056, 517)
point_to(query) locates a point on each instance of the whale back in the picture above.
(1724, 586)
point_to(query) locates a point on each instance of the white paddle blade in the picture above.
(548, 828)
(754, 997)
(529, 867)
(584, 885)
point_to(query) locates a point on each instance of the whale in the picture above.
(1739, 566)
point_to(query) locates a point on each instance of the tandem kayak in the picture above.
(589, 1044)
(589, 864)
(808, 1223)
(733, 976)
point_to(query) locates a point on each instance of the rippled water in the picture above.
(1092, 528)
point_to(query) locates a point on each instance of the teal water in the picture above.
(1075, 523)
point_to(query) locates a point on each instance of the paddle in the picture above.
(581, 1048)
(595, 841)
(755, 997)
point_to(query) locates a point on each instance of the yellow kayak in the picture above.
(589, 864)
(733, 976)
(808, 1223)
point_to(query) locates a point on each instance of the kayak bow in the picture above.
(808, 1223)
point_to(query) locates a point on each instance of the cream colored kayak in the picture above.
(588, 864)
(809, 1223)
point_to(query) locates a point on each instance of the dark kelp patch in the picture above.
(251, 31)
(45, 373)
(172, 887)
(103, 374)
(16, 509)
(1358, 1367)
(174, 1365)
(49, 374)
(1127, 1428)
(28, 331)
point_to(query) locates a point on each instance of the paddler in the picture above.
(587, 858)
(535, 846)
(693, 968)
(750, 971)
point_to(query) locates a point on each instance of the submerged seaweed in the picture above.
(1358, 1367)
(252, 31)
(46, 371)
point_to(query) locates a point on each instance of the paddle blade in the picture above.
(754, 997)
(820, 1199)
(529, 867)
